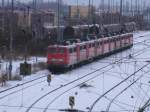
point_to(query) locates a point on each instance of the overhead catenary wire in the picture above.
(95, 102)
(108, 107)
(116, 101)
(140, 88)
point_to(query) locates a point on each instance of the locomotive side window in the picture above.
(96, 44)
(100, 43)
(93, 45)
(70, 50)
(82, 47)
(74, 49)
(90, 45)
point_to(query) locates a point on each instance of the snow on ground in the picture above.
(4, 65)
(21, 98)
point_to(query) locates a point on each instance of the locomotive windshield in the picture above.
(53, 50)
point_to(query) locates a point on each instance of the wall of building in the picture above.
(75, 11)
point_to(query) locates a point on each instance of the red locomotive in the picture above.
(64, 56)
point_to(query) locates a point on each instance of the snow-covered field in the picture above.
(4, 65)
(97, 77)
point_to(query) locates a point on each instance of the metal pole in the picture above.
(58, 21)
(103, 11)
(132, 8)
(35, 5)
(78, 13)
(92, 12)
(120, 17)
(35, 25)
(3, 17)
(102, 5)
(11, 39)
(89, 13)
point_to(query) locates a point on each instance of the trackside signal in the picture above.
(71, 101)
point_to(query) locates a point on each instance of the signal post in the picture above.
(71, 101)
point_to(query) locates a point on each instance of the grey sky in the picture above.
(97, 2)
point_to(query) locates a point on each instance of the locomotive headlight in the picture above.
(60, 60)
(53, 59)
(57, 60)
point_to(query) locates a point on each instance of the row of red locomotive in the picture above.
(63, 56)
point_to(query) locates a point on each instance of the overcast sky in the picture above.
(96, 2)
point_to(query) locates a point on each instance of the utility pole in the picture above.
(93, 12)
(89, 13)
(109, 12)
(35, 25)
(131, 8)
(120, 17)
(3, 17)
(102, 5)
(78, 12)
(7, 3)
(11, 39)
(58, 21)
(25, 33)
(113, 11)
(103, 11)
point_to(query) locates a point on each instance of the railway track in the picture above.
(18, 85)
(114, 87)
(70, 83)
(134, 82)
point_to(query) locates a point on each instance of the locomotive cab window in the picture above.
(52, 50)
(56, 50)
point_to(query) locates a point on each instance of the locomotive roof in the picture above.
(91, 41)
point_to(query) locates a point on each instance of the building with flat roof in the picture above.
(78, 11)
